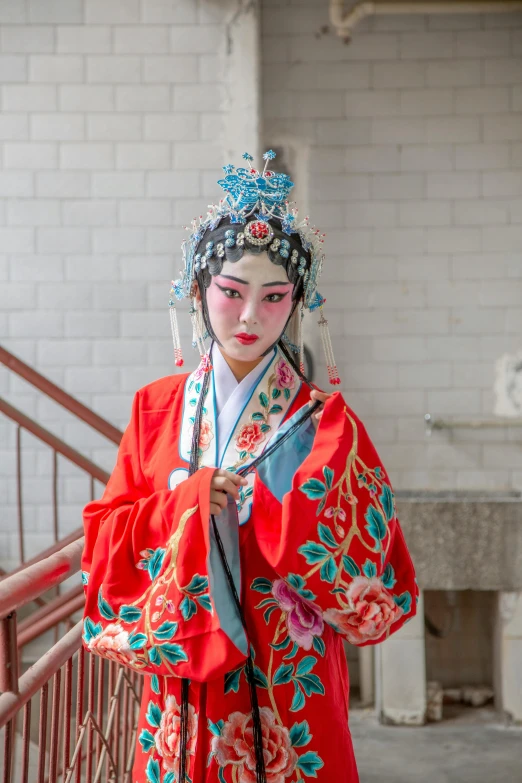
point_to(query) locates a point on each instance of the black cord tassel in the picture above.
(183, 731)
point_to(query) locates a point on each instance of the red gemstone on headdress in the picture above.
(268, 173)
(259, 230)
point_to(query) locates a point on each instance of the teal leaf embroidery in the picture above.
(376, 526)
(328, 476)
(328, 570)
(300, 734)
(174, 653)
(262, 585)
(276, 393)
(313, 552)
(257, 416)
(350, 566)
(216, 728)
(326, 535)
(369, 569)
(404, 601)
(154, 684)
(154, 656)
(137, 641)
(188, 608)
(221, 775)
(153, 771)
(386, 498)
(153, 715)
(275, 409)
(166, 630)
(105, 608)
(281, 645)
(129, 614)
(298, 701)
(305, 665)
(309, 763)
(319, 646)
(85, 578)
(260, 678)
(232, 680)
(263, 399)
(204, 602)
(388, 578)
(146, 740)
(293, 651)
(286, 392)
(283, 674)
(90, 630)
(198, 584)
(313, 489)
(155, 563)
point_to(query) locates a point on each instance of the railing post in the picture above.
(8, 654)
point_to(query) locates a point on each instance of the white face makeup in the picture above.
(249, 304)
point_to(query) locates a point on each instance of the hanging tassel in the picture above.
(183, 731)
(198, 338)
(178, 355)
(333, 375)
(301, 340)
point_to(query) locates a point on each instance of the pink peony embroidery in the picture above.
(304, 619)
(235, 746)
(205, 434)
(167, 736)
(371, 610)
(284, 375)
(250, 436)
(113, 643)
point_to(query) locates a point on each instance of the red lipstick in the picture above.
(246, 339)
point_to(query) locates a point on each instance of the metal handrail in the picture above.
(40, 673)
(45, 553)
(58, 610)
(30, 582)
(60, 396)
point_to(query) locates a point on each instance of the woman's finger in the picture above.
(223, 484)
(218, 498)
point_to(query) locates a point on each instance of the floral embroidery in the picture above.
(206, 434)
(304, 619)
(284, 375)
(371, 610)
(113, 643)
(249, 438)
(235, 745)
(167, 737)
(204, 366)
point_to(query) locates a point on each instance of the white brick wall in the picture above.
(111, 137)
(418, 184)
(111, 114)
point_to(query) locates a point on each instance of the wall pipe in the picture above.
(345, 21)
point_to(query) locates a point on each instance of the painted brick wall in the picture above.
(110, 136)
(410, 139)
(407, 148)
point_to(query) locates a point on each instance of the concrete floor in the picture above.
(472, 746)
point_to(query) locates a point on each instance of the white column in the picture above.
(508, 655)
(242, 81)
(367, 675)
(400, 674)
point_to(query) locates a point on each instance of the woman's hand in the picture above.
(322, 397)
(224, 483)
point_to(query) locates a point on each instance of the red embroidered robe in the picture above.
(327, 563)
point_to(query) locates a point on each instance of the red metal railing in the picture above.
(58, 446)
(91, 740)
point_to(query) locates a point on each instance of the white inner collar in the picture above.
(225, 382)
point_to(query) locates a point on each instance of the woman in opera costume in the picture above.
(249, 526)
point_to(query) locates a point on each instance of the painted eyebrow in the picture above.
(245, 282)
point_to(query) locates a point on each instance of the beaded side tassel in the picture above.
(178, 355)
(333, 375)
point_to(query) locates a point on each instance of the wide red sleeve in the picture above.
(146, 574)
(336, 538)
